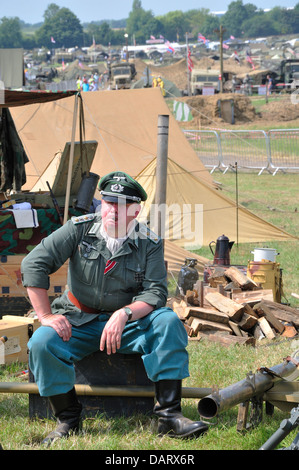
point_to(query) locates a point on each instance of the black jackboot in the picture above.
(168, 409)
(67, 409)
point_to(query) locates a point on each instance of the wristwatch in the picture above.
(128, 312)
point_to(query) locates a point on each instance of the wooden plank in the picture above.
(286, 308)
(228, 340)
(235, 328)
(209, 314)
(262, 310)
(253, 296)
(198, 324)
(283, 312)
(266, 328)
(239, 278)
(247, 322)
(181, 309)
(225, 305)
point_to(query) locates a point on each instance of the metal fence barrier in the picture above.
(272, 151)
(284, 148)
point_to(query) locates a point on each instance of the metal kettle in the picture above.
(222, 250)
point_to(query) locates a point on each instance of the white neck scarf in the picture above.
(114, 244)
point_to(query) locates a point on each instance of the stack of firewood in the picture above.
(231, 308)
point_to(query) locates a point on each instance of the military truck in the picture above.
(121, 75)
(290, 74)
(204, 79)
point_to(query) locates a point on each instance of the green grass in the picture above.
(210, 364)
(273, 198)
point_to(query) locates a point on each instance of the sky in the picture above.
(31, 11)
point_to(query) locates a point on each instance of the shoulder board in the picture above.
(145, 231)
(81, 219)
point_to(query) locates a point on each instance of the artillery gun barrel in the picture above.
(253, 385)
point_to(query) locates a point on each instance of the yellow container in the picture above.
(268, 275)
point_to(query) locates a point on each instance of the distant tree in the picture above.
(259, 25)
(142, 24)
(63, 26)
(210, 26)
(10, 32)
(234, 17)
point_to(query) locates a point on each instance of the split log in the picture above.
(198, 324)
(225, 305)
(284, 312)
(266, 328)
(262, 310)
(235, 328)
(217, 277)
(180, 308)
(189, 330)
(228, 340)
(287, 308)
(247, 322)
(240, 279)
(208, 314)
(191, 297)
(248, 309)
(252, 297)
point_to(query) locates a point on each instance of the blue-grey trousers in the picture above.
(160, 338)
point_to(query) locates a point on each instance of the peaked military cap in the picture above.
(118, 186)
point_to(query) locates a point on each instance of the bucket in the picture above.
(86, 191)
(265, 253)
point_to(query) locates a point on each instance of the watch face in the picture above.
(128, 312)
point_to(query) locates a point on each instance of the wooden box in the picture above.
(18, 330)
(99, 369)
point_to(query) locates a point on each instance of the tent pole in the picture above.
(71, 160)
(161, 175)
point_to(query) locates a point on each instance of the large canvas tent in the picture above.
(213, 214)
(124, 123)
(20, 101)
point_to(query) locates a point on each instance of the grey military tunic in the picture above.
(95, 277)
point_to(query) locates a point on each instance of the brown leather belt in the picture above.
(81, 306)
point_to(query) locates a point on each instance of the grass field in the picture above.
(276, 200)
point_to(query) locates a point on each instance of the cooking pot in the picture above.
(268, 254)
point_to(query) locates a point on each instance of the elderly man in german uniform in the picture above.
(114, 301)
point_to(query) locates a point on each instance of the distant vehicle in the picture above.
(202, 78)
(121, 75)
(289, 75)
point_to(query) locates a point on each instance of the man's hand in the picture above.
(41, 305)
(60, 324)
(111, 336)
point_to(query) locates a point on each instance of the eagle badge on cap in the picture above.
(117, 188)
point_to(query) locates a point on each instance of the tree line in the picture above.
(62, 26)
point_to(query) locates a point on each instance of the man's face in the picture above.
(117, 217)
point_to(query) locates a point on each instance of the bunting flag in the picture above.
(190, 62)
(201, 38)
(182, 111)
(169, 46)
